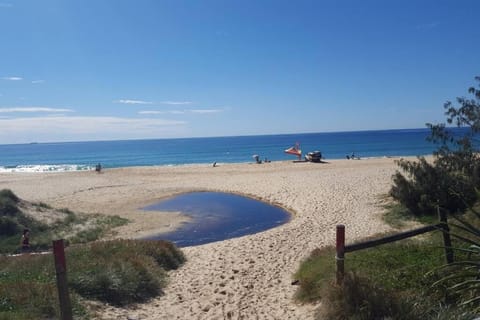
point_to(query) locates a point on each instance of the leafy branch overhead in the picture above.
(452, 179)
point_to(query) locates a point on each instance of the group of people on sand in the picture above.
(257, 160)
(352, 157)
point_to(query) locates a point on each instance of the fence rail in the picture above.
(341, 248)
(392, 238)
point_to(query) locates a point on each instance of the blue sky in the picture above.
(103, 70)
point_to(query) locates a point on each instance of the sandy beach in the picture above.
(244, 278)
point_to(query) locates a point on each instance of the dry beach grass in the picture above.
(244, 278)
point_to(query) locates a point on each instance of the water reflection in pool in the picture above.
(218, 216)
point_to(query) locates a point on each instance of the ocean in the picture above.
(73, 156)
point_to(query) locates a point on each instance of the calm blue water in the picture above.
(111, 154)
(218, 216)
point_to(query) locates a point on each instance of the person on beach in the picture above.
(25, 241)
(98, 168)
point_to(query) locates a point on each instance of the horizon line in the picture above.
(213, 137)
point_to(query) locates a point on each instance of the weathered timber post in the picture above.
(340, 255)
(61, 272)
(447, 242)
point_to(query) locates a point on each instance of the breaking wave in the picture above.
(46, 168)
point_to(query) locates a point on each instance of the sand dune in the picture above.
(243, 278)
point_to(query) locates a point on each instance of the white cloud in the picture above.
(12, 78)
(205, 111)
(38, 81)
(197, 111)
(176, 102)
(33, 109)
(161, 112)
(130, 101)
(61, 128)
(151, 112)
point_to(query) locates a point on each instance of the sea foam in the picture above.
(46, 168)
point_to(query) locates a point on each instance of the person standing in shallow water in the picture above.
(25, 242)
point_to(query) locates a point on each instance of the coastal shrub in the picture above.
(42, 205)
(13, 220)
(428, 186)
(8, 226)
(398, 270)
(119, 272)
(122, 271)
(359, 298)
(8, 194)
(85, 236)
(119, 282)
(453, 177)
(8, 207)
(165, 254)
(66, 210)
(8, 203)
(404, 280)
(27, 287)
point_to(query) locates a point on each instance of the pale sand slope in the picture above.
(243, 278)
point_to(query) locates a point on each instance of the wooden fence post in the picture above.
(340, 256)
(61, 272)
(447, 242)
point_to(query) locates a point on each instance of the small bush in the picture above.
(397, 270)
(27, 286)
(8, 226)
(121, 281)
(86, 235)
(8, 207)
(28, 289)
(66, 210)
(8, 203)
(13, 220)
(165, 254)
(7, 194)
(359, 298)
(123, 271)
(428, 186)
(40, 206)
(451, 181)
(119, 272)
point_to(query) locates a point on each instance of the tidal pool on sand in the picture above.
(218, 216)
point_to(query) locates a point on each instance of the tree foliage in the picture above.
(452, 179)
